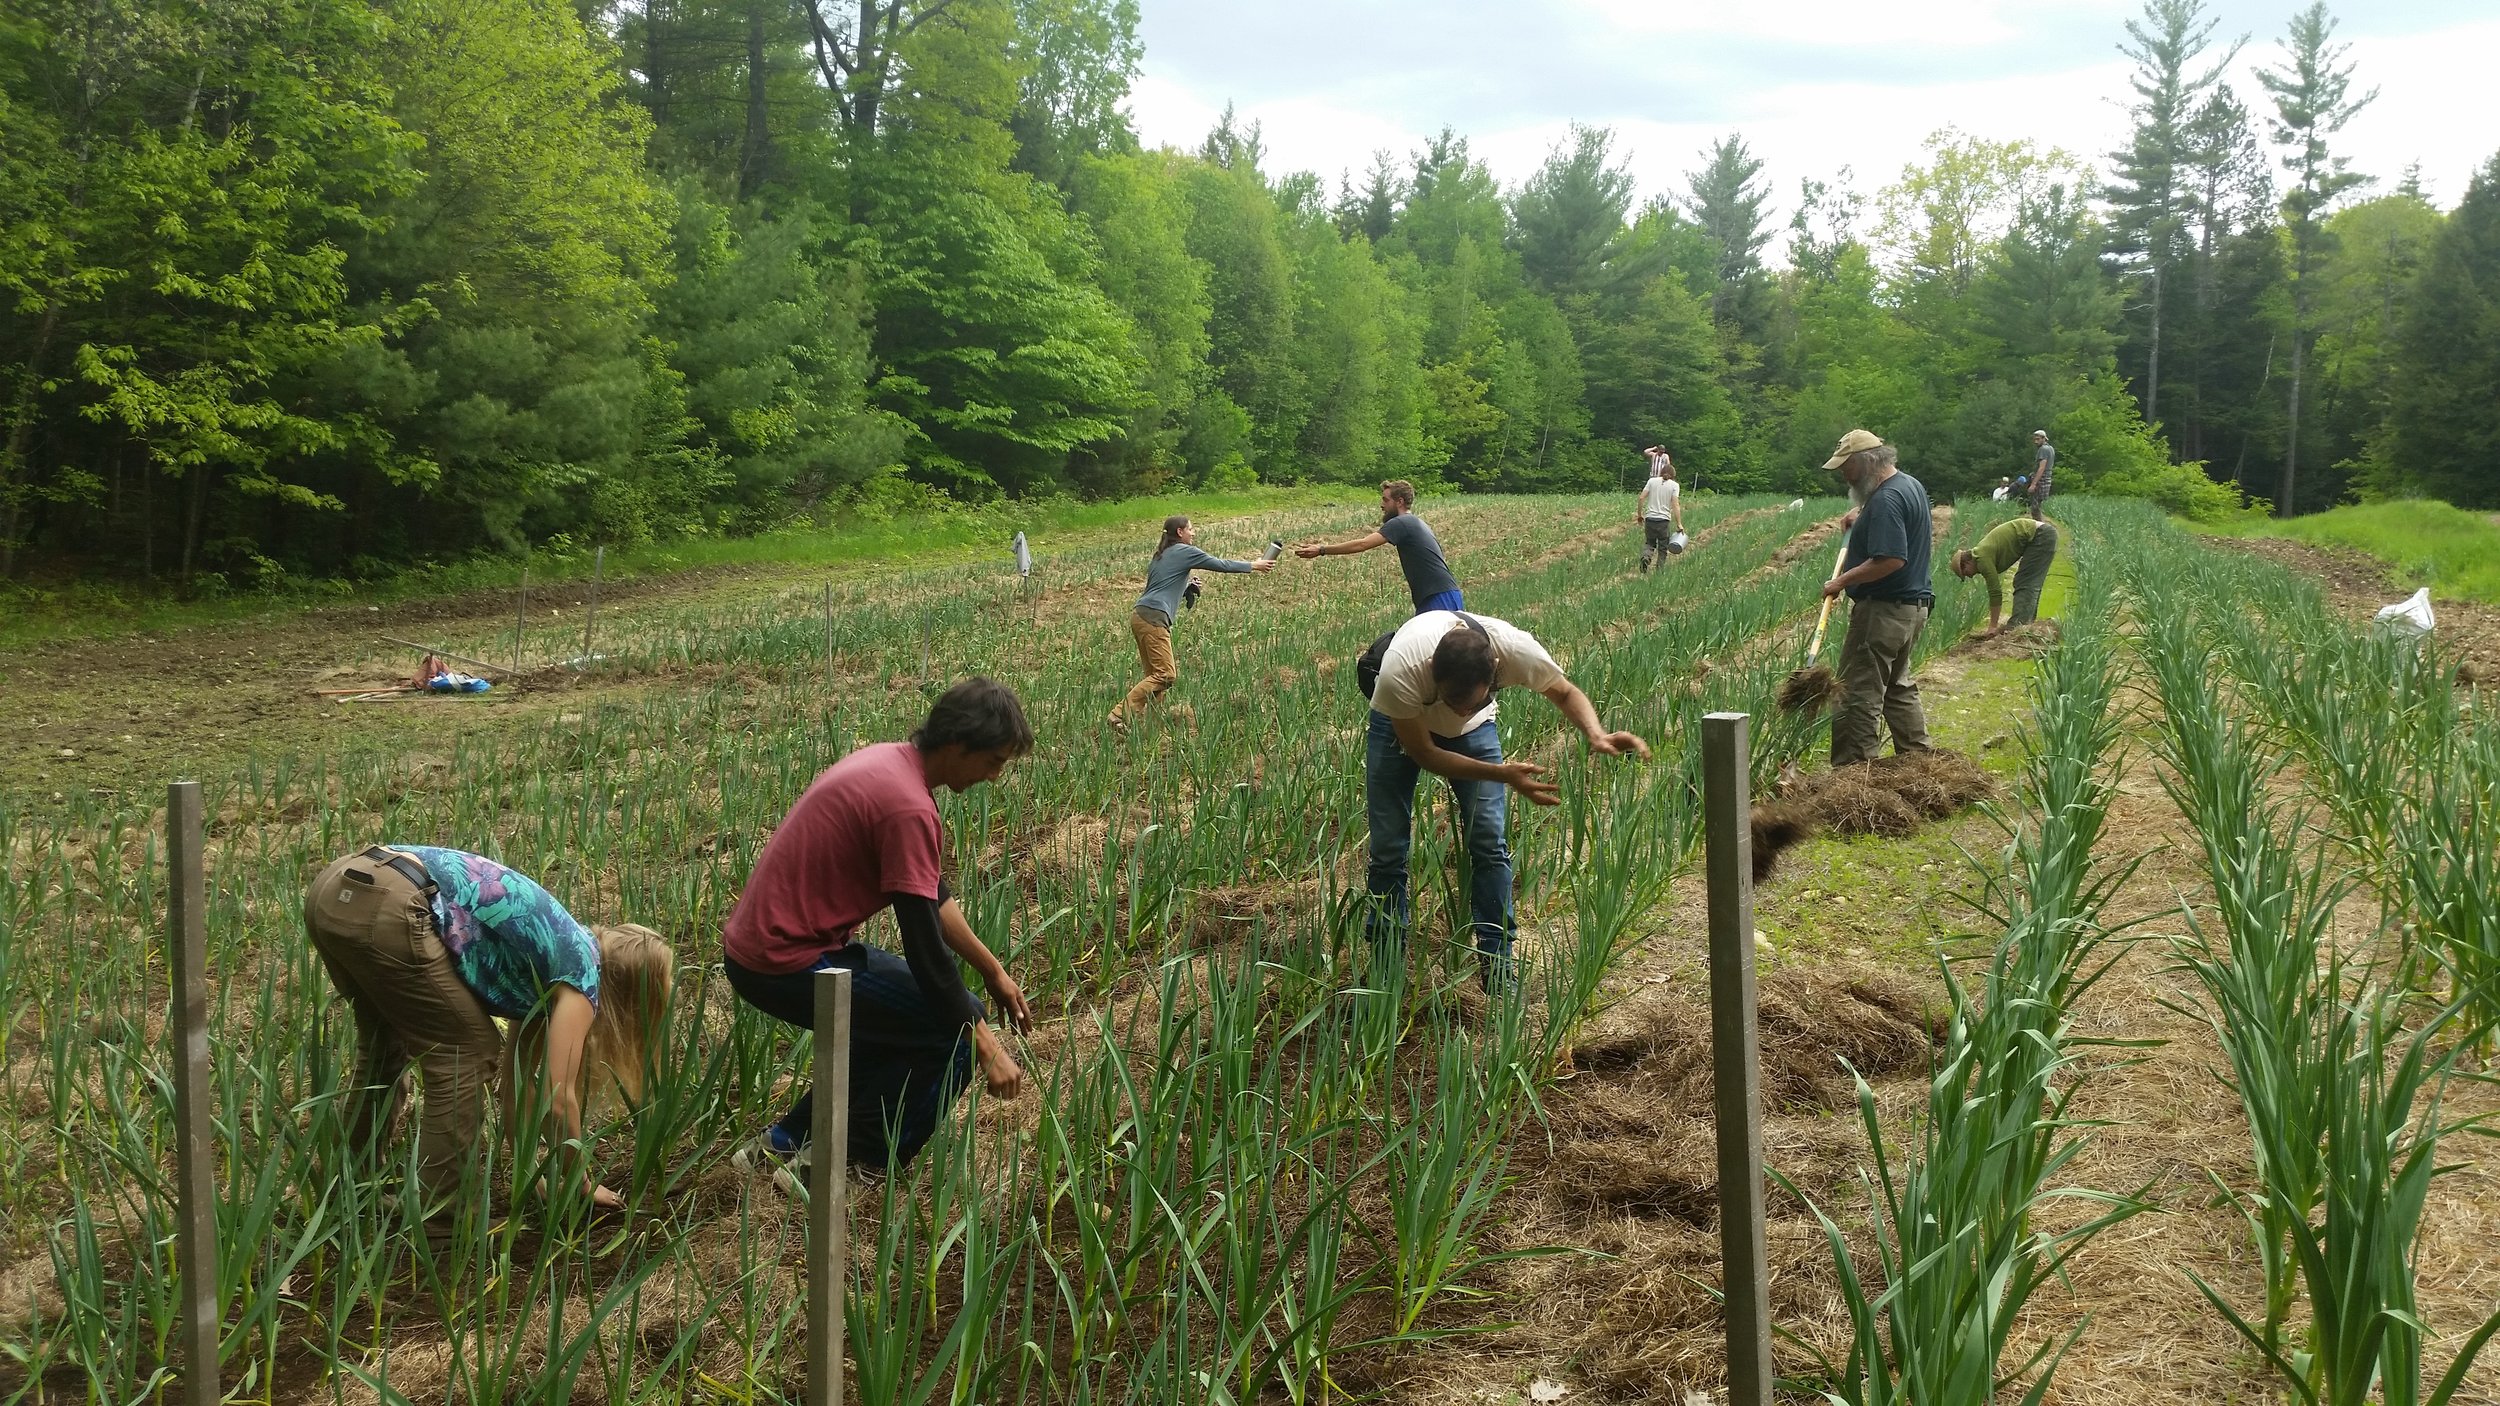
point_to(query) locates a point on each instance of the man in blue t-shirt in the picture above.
(1887, 574)
(1428, 580)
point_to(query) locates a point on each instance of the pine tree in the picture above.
(2442, 414)
(1569, 215)
(2313, 100)
(1728, 200)
(2151, 214)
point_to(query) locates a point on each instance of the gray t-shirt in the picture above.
(2043, 465)
(1168, 575)
(1419, 555)
(1896, 522)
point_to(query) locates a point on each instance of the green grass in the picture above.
(2454, 552)
(82, 609)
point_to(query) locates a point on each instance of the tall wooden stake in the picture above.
(1735, 1057)
(520, 616)
(828, 1179)
(828, 632)
(195, 1163)
(598, 568)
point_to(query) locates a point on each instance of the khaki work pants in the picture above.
(1154, 652)
(1875, 679)
(375, 933)
(2031, 573)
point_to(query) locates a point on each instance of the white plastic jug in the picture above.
(2410, 617)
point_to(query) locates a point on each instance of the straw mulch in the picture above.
(1629, 1178)
(1891, 796)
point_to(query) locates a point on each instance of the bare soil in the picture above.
(2360, 584)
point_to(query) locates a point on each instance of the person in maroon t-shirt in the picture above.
(865, 837)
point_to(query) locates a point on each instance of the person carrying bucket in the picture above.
(1661, 510)
(1167, 582)
(430, 946)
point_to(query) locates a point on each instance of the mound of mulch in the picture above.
(1652, 1060)
(2012, 642)
(1891, 796)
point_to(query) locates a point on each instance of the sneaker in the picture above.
(788, 1165)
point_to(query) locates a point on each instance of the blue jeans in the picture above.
(1445, 600)
(907, 1068)
(1389, 777)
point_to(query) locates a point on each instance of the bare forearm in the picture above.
(1454, 766)
(1576, 706)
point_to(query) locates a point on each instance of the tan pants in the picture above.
(1875, 679)
(1154, 651)
(375, 933)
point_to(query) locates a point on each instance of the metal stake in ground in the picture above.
(828, 1189)
(195, 1209)
(1735, 1057)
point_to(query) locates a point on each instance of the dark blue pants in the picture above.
(1445, 600)
(907, 1068)
(1389, 777)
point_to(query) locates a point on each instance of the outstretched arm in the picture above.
(1575, 706)
(1363, 543)
(1527, 778)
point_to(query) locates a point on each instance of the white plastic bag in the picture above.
(1794, 504)
(2410, 617)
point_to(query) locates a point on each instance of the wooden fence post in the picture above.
(1735, 1044)
(590, 627)
(828, 1183)
(195, 1162)
(520, 617)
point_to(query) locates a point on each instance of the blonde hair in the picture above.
(637, 976)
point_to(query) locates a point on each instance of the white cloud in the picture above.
(1949, 23)
(2431, 105)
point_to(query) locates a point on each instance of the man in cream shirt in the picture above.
(1432, 710)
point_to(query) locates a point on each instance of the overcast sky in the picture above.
(1814, 85)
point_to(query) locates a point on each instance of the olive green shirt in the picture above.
(1998, 551)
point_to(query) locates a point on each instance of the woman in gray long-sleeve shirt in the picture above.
(1167, 575)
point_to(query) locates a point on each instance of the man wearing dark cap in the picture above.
(1886, 573)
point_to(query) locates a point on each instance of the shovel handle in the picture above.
(1825, 619)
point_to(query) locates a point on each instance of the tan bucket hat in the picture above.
(1854, 442)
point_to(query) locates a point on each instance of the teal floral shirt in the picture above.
(509, 939)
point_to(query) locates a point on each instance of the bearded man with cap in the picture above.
(1888, 576)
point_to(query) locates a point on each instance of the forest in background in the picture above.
(328, 288)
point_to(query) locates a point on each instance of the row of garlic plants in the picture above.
(2342, 1071)
(2406, 764)
(1236, 1161)
(1957, 1216)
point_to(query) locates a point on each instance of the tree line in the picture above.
(331, 287)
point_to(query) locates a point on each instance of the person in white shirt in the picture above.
(1432, 710)
(2004, 490)
(1661, 509)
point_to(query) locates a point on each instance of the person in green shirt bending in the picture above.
(2028, 545)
